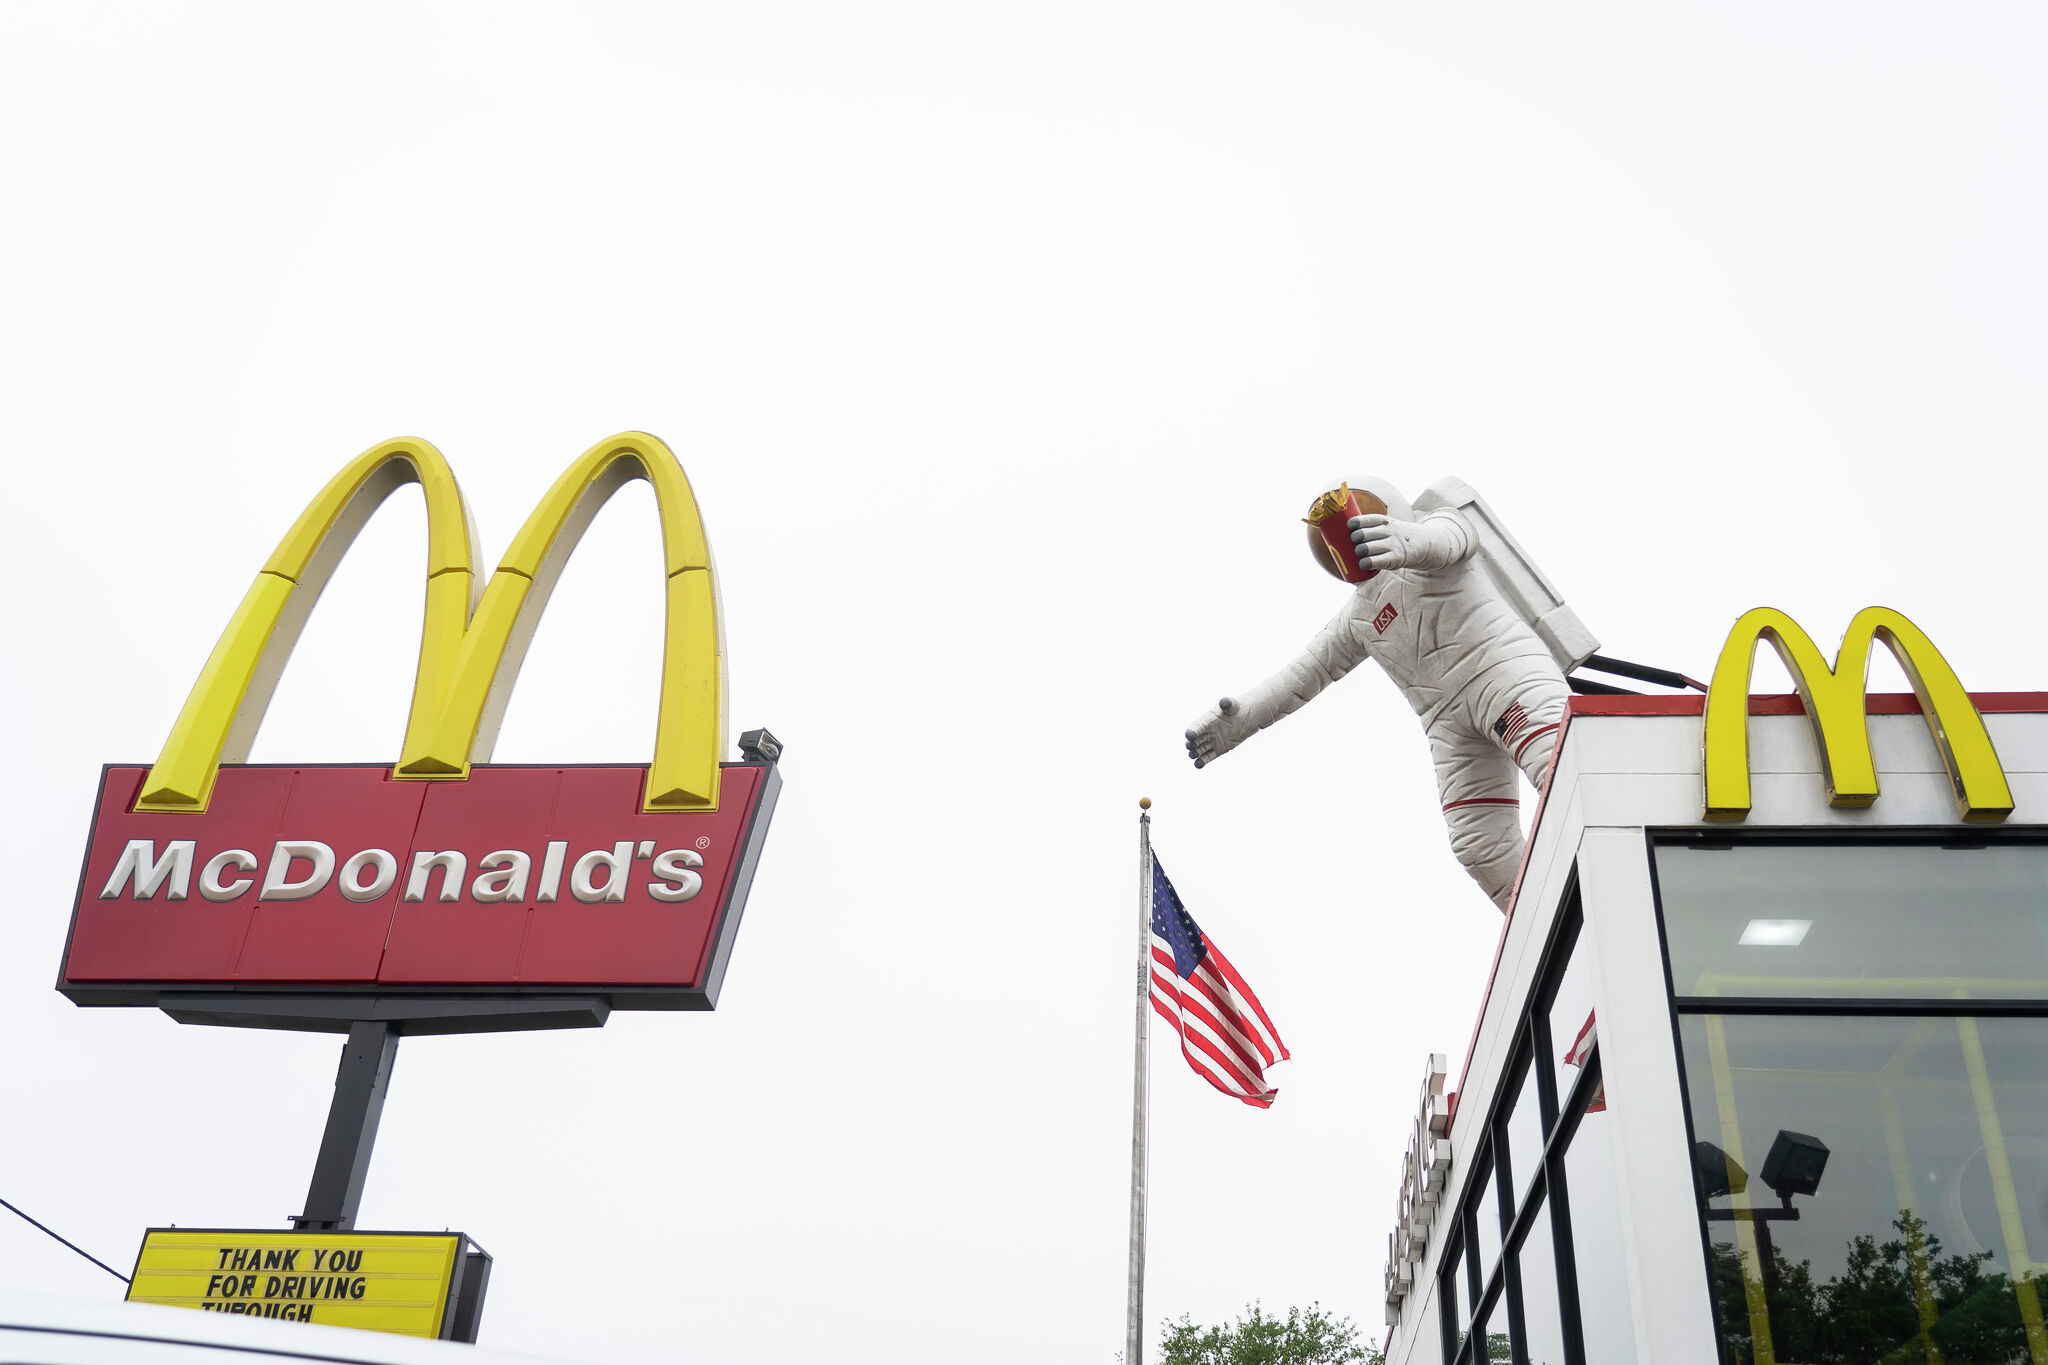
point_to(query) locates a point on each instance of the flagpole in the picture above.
(1141, 1124)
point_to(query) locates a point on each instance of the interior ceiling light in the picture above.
(1775, 933)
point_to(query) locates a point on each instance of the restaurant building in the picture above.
(1765, 1087)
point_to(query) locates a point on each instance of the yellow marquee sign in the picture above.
(1835, 706)
(402, 1282)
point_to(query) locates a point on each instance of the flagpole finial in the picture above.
(1144, 803)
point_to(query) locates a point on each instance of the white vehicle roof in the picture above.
(57, 1331)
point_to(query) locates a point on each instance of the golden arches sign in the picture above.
(474, 637)
(1835, 706)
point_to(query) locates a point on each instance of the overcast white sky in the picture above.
(1004, 344)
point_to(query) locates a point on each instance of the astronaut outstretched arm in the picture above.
(1329, 656)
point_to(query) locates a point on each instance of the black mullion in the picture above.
(1512, 1076)
(1878, 1008)
(1479, 1312)
(1492, 1289)
(1940, 836)
(1447, 1304)
(1570, 929)
(1511, 1290)
(1551, 1159)
(1446, 1312)
(1523, 1217)
(1504, 1186)
(1474, 1283)
(1539, 1058)
(1528, 1223)
(1562, 1248)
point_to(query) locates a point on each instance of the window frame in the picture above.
(1546, 1197)
(1949, 837)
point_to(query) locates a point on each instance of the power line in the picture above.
(73, 1245)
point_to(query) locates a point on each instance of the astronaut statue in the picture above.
(1468, 629)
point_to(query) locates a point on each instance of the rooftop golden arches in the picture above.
(1836, 709)
(474, 637)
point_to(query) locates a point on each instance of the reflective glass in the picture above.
(1571, 1020)
(1597, 1253)
(1525, 1136)
(1536, 1265)
(1486, 1220)
(1860, 920)
(1490, 1337)
(1874, 1184)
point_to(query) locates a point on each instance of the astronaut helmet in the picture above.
(1374, 494)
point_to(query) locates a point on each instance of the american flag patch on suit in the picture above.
(1511, 724)
(1224, 1032)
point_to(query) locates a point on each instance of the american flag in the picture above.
(1512, 722)
(1224, 1031)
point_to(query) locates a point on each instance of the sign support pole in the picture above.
(1141, 1121)
(344, 1160)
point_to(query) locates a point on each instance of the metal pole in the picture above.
(1141, 1123)
(344, 1160)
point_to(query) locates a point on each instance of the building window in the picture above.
(1600, 1265)
(1535, 1274)
(1863, 1027)
(1536, 1270)
(1869, 920)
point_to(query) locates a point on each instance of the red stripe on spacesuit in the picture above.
(1530, 737)
(1484, 801)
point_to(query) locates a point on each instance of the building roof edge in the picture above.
(1788, 704)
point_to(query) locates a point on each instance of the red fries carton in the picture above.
(1329, 530)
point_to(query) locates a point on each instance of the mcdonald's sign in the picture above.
(349, 891)
(1835, 705)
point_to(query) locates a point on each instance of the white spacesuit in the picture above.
(1490, 692)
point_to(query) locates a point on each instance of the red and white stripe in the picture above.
(1530, 738)
(1224, 1031)
(1576, 1055)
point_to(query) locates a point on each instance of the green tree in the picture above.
(1872, 1310)
(1306, 1336)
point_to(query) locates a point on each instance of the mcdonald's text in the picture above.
(518, 877)
(504, 873)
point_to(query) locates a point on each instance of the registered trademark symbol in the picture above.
(703, 841)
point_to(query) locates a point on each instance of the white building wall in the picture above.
(1660, 1228)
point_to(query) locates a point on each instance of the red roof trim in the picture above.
(1788, 704)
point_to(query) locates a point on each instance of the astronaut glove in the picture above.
(1381, 542)
(1222, 728)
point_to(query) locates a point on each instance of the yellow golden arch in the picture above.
(1836, 709)
(474, 637)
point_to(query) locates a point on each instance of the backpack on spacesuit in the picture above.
(1515, 575)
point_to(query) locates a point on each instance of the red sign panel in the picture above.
(517, 879)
